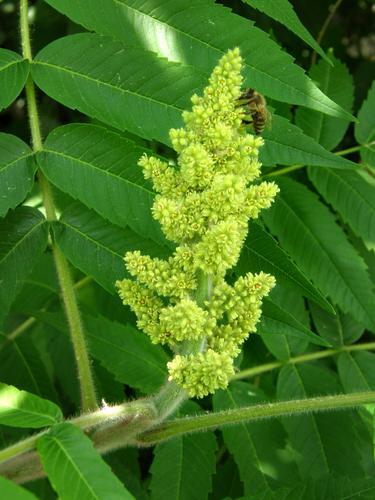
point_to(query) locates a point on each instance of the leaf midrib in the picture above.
(2, 68)
(86, 236)
(67, 455)
(19, 158)
(7, 255)
(106, 84)
(95, 167)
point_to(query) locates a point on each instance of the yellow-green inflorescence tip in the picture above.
(204, 204)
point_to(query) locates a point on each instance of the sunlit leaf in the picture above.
(175, 30)
(23, 409)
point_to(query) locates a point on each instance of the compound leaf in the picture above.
(99, 168)
(308, 231)
(175, 30)
(97, 247)
(352, 194)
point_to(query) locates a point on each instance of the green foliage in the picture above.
(23, 409)
(112, 77)
(23, 238)
(17, 168)
(13, 75)
(126, 353)
(182, 468)
(75, 468)
(11, 490)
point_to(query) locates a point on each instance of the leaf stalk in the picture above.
(87, 388)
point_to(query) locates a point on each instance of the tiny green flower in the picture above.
(204, 205)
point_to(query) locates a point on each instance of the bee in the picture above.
(256, 111)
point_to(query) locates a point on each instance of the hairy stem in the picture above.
(257, 370)
(201, 423)
(20, 463)
(87, 387)
(88, 397)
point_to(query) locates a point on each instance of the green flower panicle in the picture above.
(204, 205)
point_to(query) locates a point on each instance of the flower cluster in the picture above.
(203, 204)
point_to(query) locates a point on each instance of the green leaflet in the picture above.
(13, 74)
(308, 231)
(286, 144)
(325, 488)
(336, 82)
(23, 409)
(126, 87)
(261, 252)
(127, 353)
(17, 169)
(278, 321)
(283, 11)
(182, 467)
(254, 445)
(364, 130)
(324, 443)
(23, 237)
(175, 30)
(356, 371)
(21, 365)
(96, 247)
(39, 288)
(75, 469)
(338, 330)
(13, 491)
(352, 194)
(99, 168)
(281, 346)
(111, 91)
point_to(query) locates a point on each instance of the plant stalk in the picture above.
(201, 423)
(87, 388)
(20, 463)
(257, 370)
